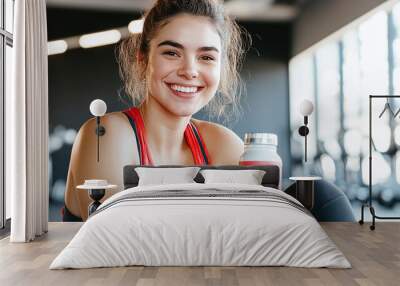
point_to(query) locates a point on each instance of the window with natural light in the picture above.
(339, 74)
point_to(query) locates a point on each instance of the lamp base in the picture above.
(96, 195)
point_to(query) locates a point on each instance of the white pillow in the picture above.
(248, 177)
(162, 176)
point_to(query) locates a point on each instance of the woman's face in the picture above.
(184, 64)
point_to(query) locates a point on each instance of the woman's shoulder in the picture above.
(118, 132)
(108, 119)
(207, 128)
(223, 145)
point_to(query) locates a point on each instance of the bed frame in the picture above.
(270, 179)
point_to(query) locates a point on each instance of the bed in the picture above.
(201, 224)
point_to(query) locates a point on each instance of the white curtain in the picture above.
(27, 123)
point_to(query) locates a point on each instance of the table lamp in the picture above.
(306, 108)
(98, 108)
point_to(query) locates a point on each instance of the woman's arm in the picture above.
(117, 149)
(223, 145)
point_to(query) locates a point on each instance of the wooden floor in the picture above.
(374, 255)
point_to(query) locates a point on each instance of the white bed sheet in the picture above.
(200, 231)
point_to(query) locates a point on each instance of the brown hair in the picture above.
(132, 70)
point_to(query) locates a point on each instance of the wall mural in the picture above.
(174, 99)
(185, 103)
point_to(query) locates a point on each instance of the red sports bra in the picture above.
(192, 137)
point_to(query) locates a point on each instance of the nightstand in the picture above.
(305, 190)
(97, 190)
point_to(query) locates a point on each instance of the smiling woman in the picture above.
(186, 59)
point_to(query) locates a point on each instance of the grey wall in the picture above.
(320, 18)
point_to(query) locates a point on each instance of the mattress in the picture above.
(201, 225)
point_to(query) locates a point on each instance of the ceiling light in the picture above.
(99, 39)
(56, 47)
(136, 26)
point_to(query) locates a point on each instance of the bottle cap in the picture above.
(261, 138)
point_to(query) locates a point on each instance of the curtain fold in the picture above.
(27, 122)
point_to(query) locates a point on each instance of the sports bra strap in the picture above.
(136, 121)
(196, 144)
(192, 137)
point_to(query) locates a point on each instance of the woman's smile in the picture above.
(184, 91)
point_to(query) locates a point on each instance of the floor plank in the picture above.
(374, 255)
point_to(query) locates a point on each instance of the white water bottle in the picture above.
(260, 149)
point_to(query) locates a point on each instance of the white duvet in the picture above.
(183, 231)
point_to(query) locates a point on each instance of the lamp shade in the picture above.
(98, 107)
(306, 107)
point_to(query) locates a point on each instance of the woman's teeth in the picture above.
(184, 88)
